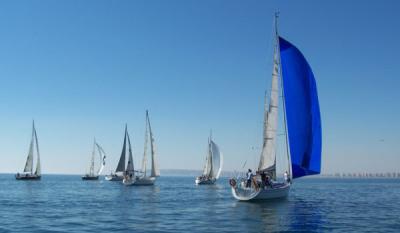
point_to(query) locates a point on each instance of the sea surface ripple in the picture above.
(62, 203)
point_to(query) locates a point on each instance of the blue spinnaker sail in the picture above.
(302, 111)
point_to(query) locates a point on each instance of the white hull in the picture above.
(147, 180)
(128, 182)
(250, 194)
(199, 181)
(140, 181)
(113, 178)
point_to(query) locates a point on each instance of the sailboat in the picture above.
(212, 168)
(28, 173)
(102, 155)
(301, 123)
(142, 177)
(121, 171)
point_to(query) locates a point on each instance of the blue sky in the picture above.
(83, 69)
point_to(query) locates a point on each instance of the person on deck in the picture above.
(268, 182)
(286, 177)
(264, 180)
(249, 177)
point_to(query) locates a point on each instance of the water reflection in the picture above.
(176, 204)
(291, 214)
(262, 216)
(305, 215)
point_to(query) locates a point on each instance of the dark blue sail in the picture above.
(302, 111)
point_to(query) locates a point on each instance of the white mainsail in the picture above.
(155, 171)
(206, 170)
(29, 159)
(144, 161)
(38, 171)
(208, 165)
(268, 154)
(213, 166)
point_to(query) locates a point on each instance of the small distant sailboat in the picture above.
(142, 178)
(302, 125)
(120, 171)
(129, 173)
(213, 166)
(28, 170)
(102, 155)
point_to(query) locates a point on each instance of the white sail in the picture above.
(29, 159)
(210, 160)
(129, 166)
(206, 169)
(91, 167)
(268, 159)
(102, 156)
(208, 166)
(217, 159)
(146, 139)
(155, 171)
(38, 166)
(121, 163)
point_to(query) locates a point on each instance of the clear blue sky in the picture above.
(85, 68)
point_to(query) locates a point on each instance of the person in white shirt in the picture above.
(249, 177)
(286, 177)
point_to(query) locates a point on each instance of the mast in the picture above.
(283, 97)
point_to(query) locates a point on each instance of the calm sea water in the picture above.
(175, 204)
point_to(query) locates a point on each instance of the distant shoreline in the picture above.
(194, 173)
